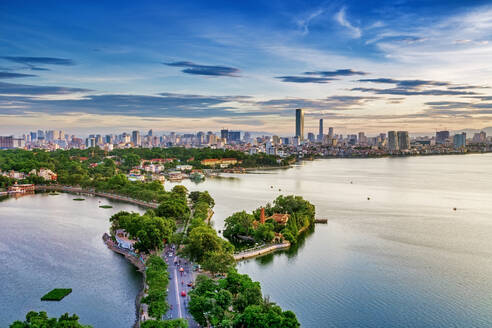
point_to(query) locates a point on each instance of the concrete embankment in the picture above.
(139, 264)
(92, 192)
(271, 248)
(261, 251)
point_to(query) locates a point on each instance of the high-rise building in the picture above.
(99, 139)
(233, 136)
(330, 132)
(90, 142)
(459, 140)
(362, 138)
(352, 139)
(247, 137)
(392, 140)
(136, 138)
(403, 140)
(441, 137)
(6, 142)
(150, 133)
(311, 137)
(50, 135)
(300, 124)
(33, 136)
(480, 137)
(320, 134)
(224, 134)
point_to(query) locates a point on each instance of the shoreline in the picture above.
(140, 268)
(267, 249)
(77, 190)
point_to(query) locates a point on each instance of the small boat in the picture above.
(454, 208)
(368, 198)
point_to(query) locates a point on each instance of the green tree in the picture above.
(218, 262)
(41, 320)
(176, 323)
(264, 232)
(238, 224)
(203, 240)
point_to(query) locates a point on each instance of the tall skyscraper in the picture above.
(320, 135)
(224, 134)
(330, 132)
(392, 140)
(362, 138)
(136, 139)
(50, 135)
(300, 124)
(234, 136)
(150, 133)
(403, 140)
(311, 137)
(459, 140)
(441, 137)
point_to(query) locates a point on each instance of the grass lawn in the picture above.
(56, 294)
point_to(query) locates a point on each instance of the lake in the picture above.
(402, 258)
(51, 241)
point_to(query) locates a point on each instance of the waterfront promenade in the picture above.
(250, 253)
(93, 192)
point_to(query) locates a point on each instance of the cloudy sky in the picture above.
(102, 66)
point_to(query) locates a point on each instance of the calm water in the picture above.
(403, 258)
(48, 242)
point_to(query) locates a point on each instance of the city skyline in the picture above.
(419, 67)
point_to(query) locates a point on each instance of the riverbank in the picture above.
(139, 263)
(267, 249)
(261, 251)
(78, 190)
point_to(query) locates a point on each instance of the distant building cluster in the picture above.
(299, 145)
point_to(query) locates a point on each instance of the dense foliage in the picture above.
(95, 168)
(174, 205)
(157, 280)
(236, 301)
(194, 156)
(148, 230)
(176, 323)
(41, 320)
(242, 228)
(202, 244)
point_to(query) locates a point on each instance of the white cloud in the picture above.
(304, 22)
(341, 18)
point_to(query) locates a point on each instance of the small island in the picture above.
(56, 294)
(269, 228)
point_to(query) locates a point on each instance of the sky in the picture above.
(373, 66)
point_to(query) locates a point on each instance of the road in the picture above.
(178, 283)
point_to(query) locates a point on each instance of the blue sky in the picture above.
(101, 66)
